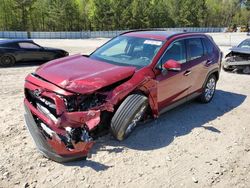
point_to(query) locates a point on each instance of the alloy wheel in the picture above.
(210, 89)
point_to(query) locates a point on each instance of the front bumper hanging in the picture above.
(52, 146)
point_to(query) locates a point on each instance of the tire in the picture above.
(208, 90)
(129, 113)
(7, 61)
(246, 70)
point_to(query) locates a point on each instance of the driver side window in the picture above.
(176, 51)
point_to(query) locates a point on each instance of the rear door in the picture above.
(196, 65)
(212, 52)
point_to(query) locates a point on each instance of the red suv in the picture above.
(141, 74)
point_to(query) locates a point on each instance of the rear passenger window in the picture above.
(209, 47)
(194, 48)
(176, 51)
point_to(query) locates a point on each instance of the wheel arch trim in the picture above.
(216, 72)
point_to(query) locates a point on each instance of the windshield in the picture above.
(128, 51)
(245, 44)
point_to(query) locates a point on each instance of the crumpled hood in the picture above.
(81, 74)
(240, 50)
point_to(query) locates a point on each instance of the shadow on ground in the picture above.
(88, 163)
(177, 122)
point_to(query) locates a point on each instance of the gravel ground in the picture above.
(194, 145)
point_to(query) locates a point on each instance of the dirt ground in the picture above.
(194, 145)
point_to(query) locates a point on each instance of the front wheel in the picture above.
(208, 90)
(129, 113)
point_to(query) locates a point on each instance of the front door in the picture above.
(174, 86)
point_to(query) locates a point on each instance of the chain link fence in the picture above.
(218, 34)
(90, 34)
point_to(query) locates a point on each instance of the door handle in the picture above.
(188, 72)
(209, 62)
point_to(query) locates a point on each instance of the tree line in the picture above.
(77, 15)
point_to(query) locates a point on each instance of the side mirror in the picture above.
(172, 65)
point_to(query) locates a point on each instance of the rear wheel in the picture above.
(7, 61)
(127, 116)
(208, 90)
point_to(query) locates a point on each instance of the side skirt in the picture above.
(179, 102)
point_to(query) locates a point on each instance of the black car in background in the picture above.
(13, 51)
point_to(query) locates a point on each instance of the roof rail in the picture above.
(136, 30)
(174, 33)
(185, 32)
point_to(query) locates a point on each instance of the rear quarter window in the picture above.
(9, 45)
(209, 47)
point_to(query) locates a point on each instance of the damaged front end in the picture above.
(61, 123)
(237, 61)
